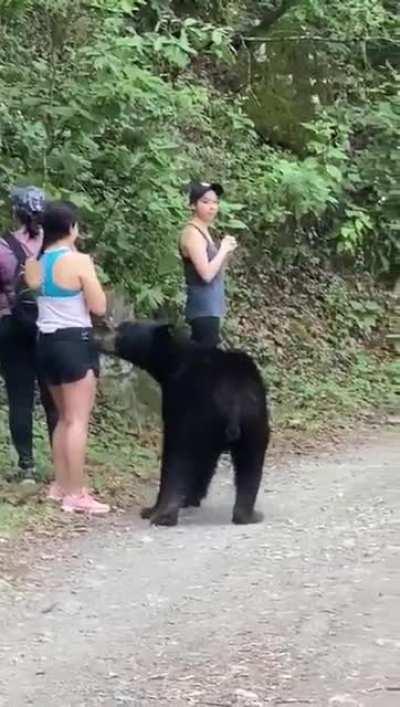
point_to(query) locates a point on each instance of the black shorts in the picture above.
(67, 355)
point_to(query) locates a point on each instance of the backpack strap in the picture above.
(16, 248)
(20, 256)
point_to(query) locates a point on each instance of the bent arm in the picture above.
(33, 274)
(196, 249)
(94, 294)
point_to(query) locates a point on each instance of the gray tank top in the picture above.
(203, 299)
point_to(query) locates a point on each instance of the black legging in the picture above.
(205, 331)
(19, 369)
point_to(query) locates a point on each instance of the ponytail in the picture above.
(33, 225)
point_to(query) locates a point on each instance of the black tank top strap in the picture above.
(212, 248)
(203, 299)
(208, 240)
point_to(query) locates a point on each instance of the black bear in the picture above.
(213, 401)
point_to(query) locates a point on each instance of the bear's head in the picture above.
(154, 346)
(148, 345)
(136, 341)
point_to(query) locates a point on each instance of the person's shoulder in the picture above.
(191, 228)
(76, 261)
(187, 228)
(75, 256)
(84, 263)
(83, 257)
(191, 233)
(185, 234)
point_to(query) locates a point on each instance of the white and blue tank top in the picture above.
(59, 307)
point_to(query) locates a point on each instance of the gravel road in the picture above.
(303, 609)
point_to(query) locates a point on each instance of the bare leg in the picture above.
(58, 452)
(77, 404)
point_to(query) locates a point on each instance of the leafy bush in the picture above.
(110, 103)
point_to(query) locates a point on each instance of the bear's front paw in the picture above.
(166, 518)
(241, 517)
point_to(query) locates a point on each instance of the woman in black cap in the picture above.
(204, 263)
(18, 337)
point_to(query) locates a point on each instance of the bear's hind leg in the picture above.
(199, 485)
(248, 455)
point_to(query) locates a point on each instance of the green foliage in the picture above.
(363, 125)
(351, 316)
(366, 221)
(88, 114)
(349, 192)
(117, 104)
(309, 402)
(112, 427)
(107, 103)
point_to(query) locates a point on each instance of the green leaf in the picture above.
(334, 172)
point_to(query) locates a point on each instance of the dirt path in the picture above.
(303, 609)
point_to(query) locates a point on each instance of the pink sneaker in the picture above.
(55, 492)
(84, 503)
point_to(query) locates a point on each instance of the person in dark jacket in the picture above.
(18, 343)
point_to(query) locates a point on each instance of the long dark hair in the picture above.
(31, 222)
(57, 220)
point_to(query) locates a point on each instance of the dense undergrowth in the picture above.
(318, 339)
(117, 104)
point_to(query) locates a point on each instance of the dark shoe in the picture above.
(15, 476)
(24, 474)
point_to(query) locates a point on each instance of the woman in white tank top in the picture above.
(69, 291)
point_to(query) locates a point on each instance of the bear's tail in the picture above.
(232, 430)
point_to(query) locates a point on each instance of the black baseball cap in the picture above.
(198, 189)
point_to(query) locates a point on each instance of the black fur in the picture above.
(212, 401)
